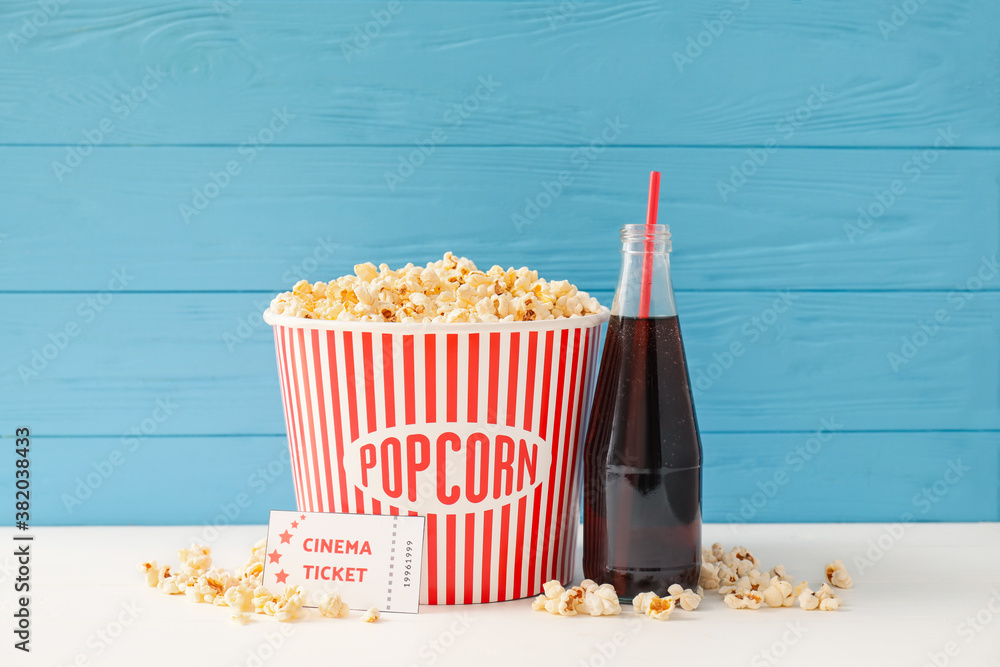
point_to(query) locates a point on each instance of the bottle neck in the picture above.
(642, 248)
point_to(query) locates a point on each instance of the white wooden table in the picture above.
(929, 590)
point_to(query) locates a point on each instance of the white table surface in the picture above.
(913, 602)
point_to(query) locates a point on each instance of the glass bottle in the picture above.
(642, 454)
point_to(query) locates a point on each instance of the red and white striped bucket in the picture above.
(476, 426)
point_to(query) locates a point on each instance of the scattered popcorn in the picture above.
(570, 600)
(650, 604)
(660, 608)
(798, 588)
(449, 290)
(709, 578)
(824, 599)
(599, 600)
(550, 598)
(779, 572)
(641, 602)
(778, 594)
(837, 575)
(587, 598)
(371, 615)
(240, 598)
(808, 600)
(686, 598)
(287, 606)
(552, 589)
(240, 619)
(152, 572)
(197, 559)
(241, 591)
(747, 600)
(758, 580)
(331, 606)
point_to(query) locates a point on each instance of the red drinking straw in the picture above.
(647, 261)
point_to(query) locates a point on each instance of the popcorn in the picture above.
(747, 600)
(778, 594)
(240, 598)
(660, 608)
(449, 290)
(286, 607)
(652, 605)
(569, 601)
(641, 602)
(686, 598)
(837, 575)
(779, 572)
(807, 600)
(152, 572)
(240, 619)
(371, 615)
(599, 600)
(830, 604)
(709, 577)
(197, 559)
(550, 598)
(331, 606)
(758, 580)
(587, 598)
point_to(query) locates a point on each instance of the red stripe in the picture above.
(393, 510)
(324, 442)
(430, 380)
(432, 559)
(409, 391)
(337, 425)
(307, 411)
(494, 388)
(487, 555)
(450, 556)
(519, 554)
(512, 366)
(369, 361)
(390, 390)
(533, 587)
(568, 449)
(557, 451)
(473, 386)
(470, 555)
(376, 507)
(359, 499)
(283, 374)
(502, 562)
(452, 398)
(300, 375)
(529, 384)
(352, 382)
(543, 423)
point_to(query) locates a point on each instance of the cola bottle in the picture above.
(642, 454)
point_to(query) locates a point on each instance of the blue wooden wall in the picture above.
(831, 175)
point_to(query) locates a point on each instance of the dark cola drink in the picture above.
(642, 454)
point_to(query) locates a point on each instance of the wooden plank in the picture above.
(560, 70)
(102, 481)
(155, 481)
(840, 476)
(314, 213)
(826, 355)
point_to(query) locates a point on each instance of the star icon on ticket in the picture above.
(286, 537)
(274, 556)
(281, 576)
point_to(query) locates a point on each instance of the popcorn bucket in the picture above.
(477, 426)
